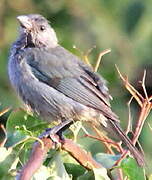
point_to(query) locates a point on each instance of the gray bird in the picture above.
(57, 85)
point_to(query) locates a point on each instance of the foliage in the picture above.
(58, 164)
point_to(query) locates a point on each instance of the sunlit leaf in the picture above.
(100, 174)
(7, 158)
(132, 170)
(4, 153)
(4, 111)
(150, 177)
(58, 171)
(44, 172)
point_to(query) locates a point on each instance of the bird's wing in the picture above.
(63, 71)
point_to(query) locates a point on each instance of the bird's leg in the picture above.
(57, 130)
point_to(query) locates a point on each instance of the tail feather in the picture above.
(134, 151)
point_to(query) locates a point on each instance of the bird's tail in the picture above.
(134, 151)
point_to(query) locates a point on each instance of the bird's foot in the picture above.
(55, 133)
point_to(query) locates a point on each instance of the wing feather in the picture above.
(72, 77)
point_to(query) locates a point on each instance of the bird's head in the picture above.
(37, 31)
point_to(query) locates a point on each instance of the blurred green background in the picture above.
(124, 26)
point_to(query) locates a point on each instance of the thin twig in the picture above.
(105, 139)
(109, 141)
(150, 98)
(87, 54)
(143, 115)
(99, 58)
(123, 155)
(120, 174)
(143, 86)
(4, 111)
(129, 125)
(131, 89)
(144, 103)
(3, 133)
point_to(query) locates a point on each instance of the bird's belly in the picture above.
(48, 103)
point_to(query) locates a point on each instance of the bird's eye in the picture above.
(42, 28)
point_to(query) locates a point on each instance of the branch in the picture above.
(138, 97)
(80, 155)
(99, 59)
(4, 111)
(144, 103)
(39, 154)
(36, 159)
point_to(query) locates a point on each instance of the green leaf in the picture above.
(58, 171)
(107, 160)
(74, 169)
(15, 138)
(21, 125)
(95, 174)
(20, 119)
(71, 165)
(89, 175)
(23, 151)
(132, 170)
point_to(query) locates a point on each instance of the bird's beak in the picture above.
(25, 21)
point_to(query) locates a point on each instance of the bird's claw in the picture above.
(55, 133)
